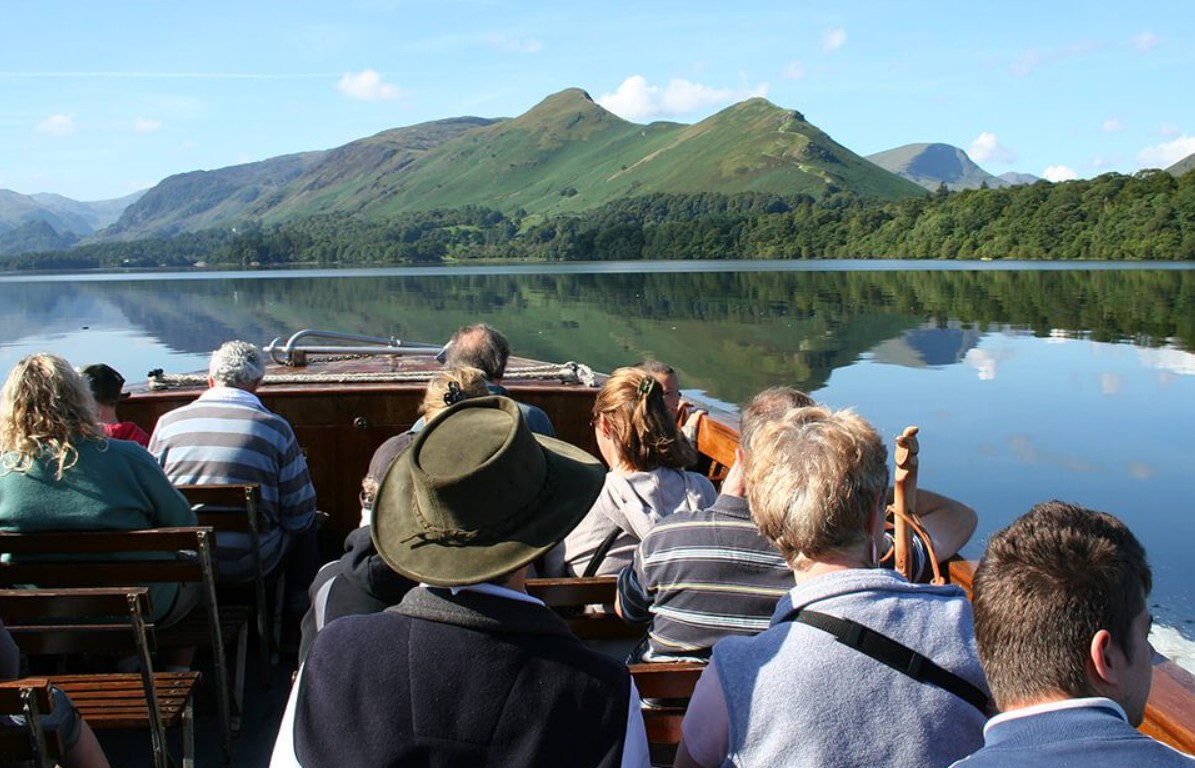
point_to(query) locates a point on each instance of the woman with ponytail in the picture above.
(639, 440)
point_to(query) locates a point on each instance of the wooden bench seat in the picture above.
(666, 688)
(575, 596)
(30, 698)
(55, 622)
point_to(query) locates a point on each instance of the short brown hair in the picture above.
(814, 479)
(1044, 586)
(644, 431)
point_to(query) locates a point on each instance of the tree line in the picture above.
(1149, 215)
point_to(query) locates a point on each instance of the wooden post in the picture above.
(904, 499)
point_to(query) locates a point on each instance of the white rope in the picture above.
(567, 373)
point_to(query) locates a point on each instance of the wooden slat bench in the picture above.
(572, 595)
(670, 683)
(185, 557)
(29, 697)
(46, 622)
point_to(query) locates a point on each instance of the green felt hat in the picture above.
(478, 495)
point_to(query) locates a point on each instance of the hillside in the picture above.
(1182, 166)
(932, 165)
(52, 222)
(566, 154)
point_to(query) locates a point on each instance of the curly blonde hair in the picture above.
(46, 408)
(644, 430)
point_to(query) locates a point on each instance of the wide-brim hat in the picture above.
(478, 495)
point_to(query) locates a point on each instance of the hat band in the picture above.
(463, 537)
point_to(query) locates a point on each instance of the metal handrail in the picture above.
(372, 345)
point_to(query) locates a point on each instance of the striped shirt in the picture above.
(700, 576)
(228, 436)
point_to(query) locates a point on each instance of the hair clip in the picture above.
(454, 394)
(646, 385)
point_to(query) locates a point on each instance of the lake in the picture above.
(1028, 381)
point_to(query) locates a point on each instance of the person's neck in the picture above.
(106, 413)
(831, 562)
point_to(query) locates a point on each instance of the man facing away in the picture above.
(228, 436)
(484, 347)
(468, 669)
(1063, 630)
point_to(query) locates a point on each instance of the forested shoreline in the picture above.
(1146, 216)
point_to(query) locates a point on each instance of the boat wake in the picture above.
(1169, 642)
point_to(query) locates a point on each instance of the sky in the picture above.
(99, 100)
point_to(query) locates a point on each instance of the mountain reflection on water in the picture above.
(1027, 384)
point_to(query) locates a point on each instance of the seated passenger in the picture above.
(1062, 620)
(699, 576)
(639, 441)
(59, 472)
(829, 683)
(360, 581)
(666, 376)
(483, 347)
(80, 747)
(468, 669)
(107, 387)
(227, 437)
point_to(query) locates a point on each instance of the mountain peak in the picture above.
(933, 164)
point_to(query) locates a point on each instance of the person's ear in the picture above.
(1104, 661)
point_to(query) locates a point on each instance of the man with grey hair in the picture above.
(485, 347)
(228, 436)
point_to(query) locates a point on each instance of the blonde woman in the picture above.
(58, 472)
(360, 581)
(641, 444)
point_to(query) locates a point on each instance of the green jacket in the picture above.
(114, 486)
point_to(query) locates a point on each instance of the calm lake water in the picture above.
(1028, 381)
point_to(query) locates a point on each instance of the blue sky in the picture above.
(100, 99)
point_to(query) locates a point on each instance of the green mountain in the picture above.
(566, 154)
(932, 165)
(1182, 166)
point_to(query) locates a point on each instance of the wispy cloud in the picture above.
(1059, 173)
(794, 71)
(635, 99)
(1168, 153)
(57, 125)
(1112, 125)
(1029, 61)
(367, 85)
(133, 75)
(834, 39)
(1026, 62)
(987, 148)
(146, 125)
(508, 44)
(1145, 41)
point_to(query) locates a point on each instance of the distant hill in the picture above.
(1182, 166)
(51, 222)
(932, 165)
(566, 154)
(1017, 179)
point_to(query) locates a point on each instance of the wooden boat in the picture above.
(345, 394)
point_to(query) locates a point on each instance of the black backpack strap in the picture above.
(600, 553)
(893, 654)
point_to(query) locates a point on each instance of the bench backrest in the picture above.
(571, 595)
(29, 697)
(670, 685)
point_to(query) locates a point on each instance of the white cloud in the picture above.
(1112, 125)
(1100, 162)
(57, 125)
(514, 45)
(794, 71)
(1170, 129)
(834, 39)
(146, 125)
(1059, 173)
(367, 85)
(1167, 154)
(987, 148)
(1145, 41)
(635, 99)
